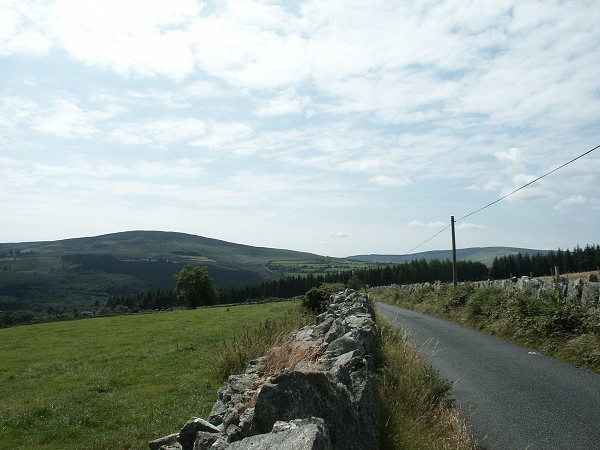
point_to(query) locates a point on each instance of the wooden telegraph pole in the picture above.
(454, 275)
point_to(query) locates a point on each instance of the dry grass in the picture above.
(249, 343)
(286, 356)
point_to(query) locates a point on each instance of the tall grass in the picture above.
(250, 342)
(122, 381)
(416, 407)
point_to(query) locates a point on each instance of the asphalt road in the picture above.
(511, 397)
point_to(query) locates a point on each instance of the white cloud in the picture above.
(339, 234)
(469, 225)
(203, 89)
(386, 181)
(419, 224)
(129, 38)
(287, 102)
(16, 33)
(160, 133)
(66, 119)
(226, 137)
(572, 201)
(513, 155)
(491, 185)
(15, 110)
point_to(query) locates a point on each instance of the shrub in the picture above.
(484, 303)
(354, 283)
(584, 348)
(561, 317)
(317, 299)
(457, 297)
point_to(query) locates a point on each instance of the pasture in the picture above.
(122, 381)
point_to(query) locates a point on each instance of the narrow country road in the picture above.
(511, 397)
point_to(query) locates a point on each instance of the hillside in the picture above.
(84, 271)
(159, 245)
(484, 255)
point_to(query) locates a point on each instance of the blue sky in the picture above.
(334, 127)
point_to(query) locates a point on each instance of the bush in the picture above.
(17, 317)
(354, 283)
(317, 299)
(484, 303)
(458, 296)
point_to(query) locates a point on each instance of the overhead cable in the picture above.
(528, 184)
(502, 198)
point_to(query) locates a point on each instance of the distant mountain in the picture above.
(180, 247)
(485, 255)
(82, 271)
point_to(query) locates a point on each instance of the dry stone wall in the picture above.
(315, 392)
(586, 292)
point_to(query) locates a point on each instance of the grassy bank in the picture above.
(119, 382)
(416, 407)
(563, 329)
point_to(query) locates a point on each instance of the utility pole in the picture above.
(454, 275)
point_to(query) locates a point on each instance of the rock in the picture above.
(302, 434)
(165, 442)
(347, 343)
(337, 329)
(187, 435)
(205, 440)
(296, 395)
(593, 277)
(323, 327)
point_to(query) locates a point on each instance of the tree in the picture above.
(195, 287)
(354, 283)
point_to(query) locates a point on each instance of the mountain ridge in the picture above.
(484, 255)
(173, 244)
(102, 243)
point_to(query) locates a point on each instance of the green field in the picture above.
(120, 382)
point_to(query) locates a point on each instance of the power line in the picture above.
(426, 241)
(501, 198)
(528, 184)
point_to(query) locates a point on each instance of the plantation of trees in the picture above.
(416, 271)
(578, 260)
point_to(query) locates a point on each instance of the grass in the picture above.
(416, 408)
(122, 381)
(564, 329)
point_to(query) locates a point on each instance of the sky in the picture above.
(336, 127)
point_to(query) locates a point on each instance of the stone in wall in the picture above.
(316, 391)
